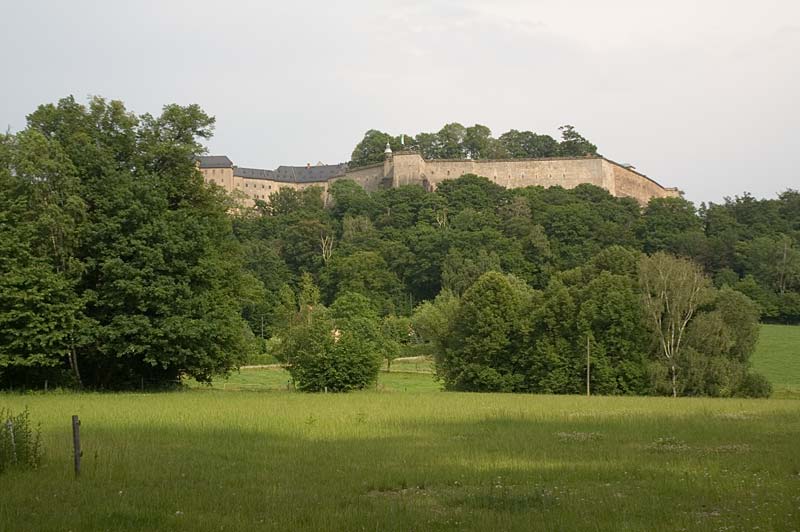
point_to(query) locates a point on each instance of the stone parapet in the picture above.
(409, 168)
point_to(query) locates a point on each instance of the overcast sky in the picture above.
(698, 94)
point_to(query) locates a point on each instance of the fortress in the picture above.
(409, 168)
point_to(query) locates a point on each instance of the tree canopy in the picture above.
(455, 141)
(130, 258)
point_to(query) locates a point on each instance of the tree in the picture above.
(371, 148)
(719, 342)
(41, 217)
(39, 312)
(350, 198)
(479, 144)
(484, 350)
(303, 203)
(472, 191)
(365, 273)
(666, 222)
(450, 141)
(460, 270)
(434, 320)
(397, 334)
(146, 249)
(574, 144)
(528, 145)
(775, 261)
(672, 290)
(428, 145)
(611, 318)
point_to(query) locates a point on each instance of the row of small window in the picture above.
(256, 186)
(247, 185)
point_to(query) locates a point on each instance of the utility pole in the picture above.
(588, 365)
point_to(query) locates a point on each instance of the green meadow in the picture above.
(777, 357)
(248, 454)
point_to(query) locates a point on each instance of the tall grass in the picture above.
(20, 441)
(214, 460)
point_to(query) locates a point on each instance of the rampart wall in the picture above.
(632, 184)
(409, 168)
(370, 177)
(568, 172)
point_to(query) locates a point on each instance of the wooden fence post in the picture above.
(76, 444)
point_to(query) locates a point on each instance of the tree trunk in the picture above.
(73, 364)
(674, 381)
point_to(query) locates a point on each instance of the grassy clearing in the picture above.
(777, 357)
(417, 364)
(213, 460)
(275, 379)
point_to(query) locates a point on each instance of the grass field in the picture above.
(382, 460)
(777, 357)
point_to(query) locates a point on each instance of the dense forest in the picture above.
(402, 246)
(572, 260)
(122, 268)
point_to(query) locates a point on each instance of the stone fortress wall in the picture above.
(409, 168)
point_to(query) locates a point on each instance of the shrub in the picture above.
(20, 443)
(754, 385)
(335, 349)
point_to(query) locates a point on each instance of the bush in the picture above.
(20, 443)
(335, 349)
(754, 385)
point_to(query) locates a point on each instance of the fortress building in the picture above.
(409, 168)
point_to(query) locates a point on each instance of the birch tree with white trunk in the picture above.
(673, 289)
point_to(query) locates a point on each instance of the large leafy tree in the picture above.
(526, 144)
(479, 144)
(145, 247)
(41, 216)
(485, 351)
(371, 148)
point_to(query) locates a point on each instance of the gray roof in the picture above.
(286, 174)
(309, 174)
(253, 173)
(294, 174)
(214, 161)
